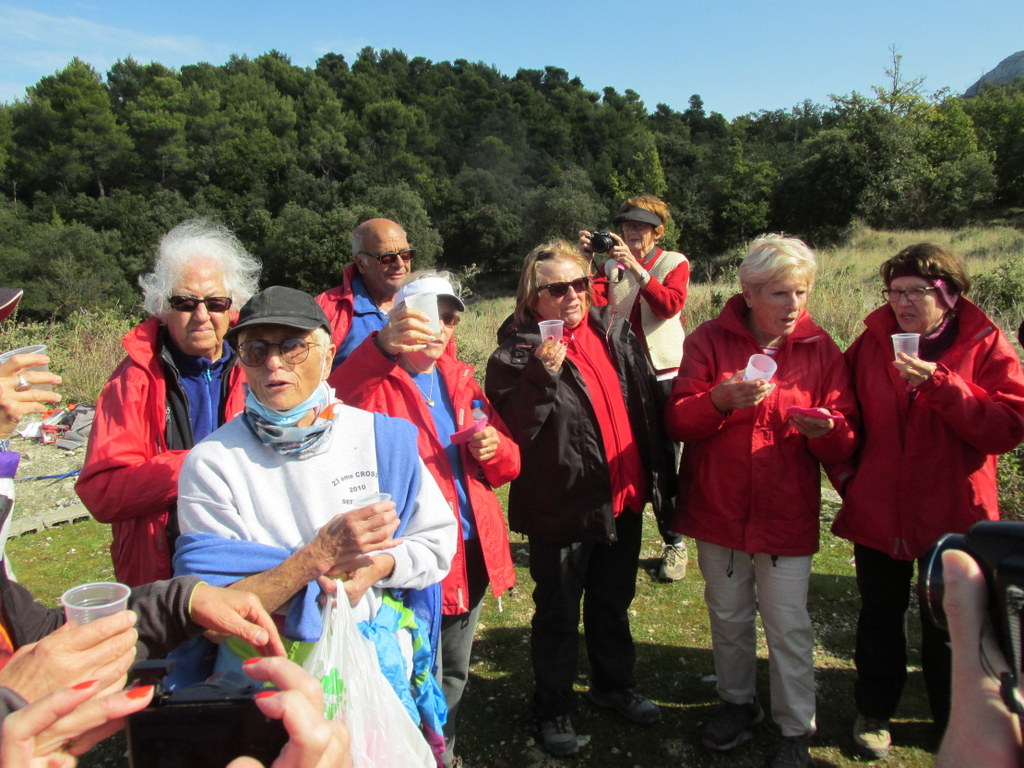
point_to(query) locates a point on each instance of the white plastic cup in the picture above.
(905, 342)
(35, 349)
(427, 304)
(89, 602)
(551, 329)
(760, 367)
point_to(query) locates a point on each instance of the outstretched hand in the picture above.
(53, 731)
(225, 612)
(314, 741)
(101, 650)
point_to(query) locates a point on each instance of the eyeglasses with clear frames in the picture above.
(388, 258)
(892, 295)
(292, 351)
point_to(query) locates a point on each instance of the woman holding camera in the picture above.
(647, 285)
(934, 424)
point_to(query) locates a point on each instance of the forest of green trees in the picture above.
(477, 165)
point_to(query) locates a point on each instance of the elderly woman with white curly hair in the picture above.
(178, 383)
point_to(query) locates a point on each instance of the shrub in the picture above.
(83, 350)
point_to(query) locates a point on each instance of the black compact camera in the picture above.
(602, 242)
(998, 547)
(205, 725)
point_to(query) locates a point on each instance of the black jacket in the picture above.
(563, 492)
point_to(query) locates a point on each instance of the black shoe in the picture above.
(731, 725)
(628, 703)
(558, 737)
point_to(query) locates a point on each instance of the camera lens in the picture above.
(601, 242)
(930, 584)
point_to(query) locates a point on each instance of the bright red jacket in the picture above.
(336, 303)
(130, 476)
(927, 465)
(748, 479)
(371, 380)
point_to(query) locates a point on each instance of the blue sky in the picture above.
(740, 56)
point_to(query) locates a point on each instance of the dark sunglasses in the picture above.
(451, 319)
(558, 290)
(390, 257)
(191, 303)
(292, 351)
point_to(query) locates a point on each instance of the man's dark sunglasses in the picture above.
(388, 258)
(191, 303)
(292, 351)
(558, 290)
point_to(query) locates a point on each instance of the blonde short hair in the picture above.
(773, 257)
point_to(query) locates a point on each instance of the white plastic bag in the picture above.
(357, 694)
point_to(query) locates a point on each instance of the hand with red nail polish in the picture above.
(314, 742)
(102, 650)
(53, 731)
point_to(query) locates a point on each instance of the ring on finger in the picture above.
(23, 383)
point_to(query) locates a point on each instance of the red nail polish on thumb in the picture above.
(139, 693)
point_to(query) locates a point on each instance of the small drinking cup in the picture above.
(35, 349)
(760, 367)
(905, 342)
(427, 304)
(89, 602)
(551, 329)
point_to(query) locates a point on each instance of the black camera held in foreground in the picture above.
(206, 725)
(998, 548)
(602, 242)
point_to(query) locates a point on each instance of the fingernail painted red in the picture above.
(253, 660)
(83, 686)
(266, 694)
(139, 693)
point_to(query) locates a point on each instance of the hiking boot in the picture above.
(628, 703)
(791, 752)
(731, 725)
(872, 737)
(674, 558)
(558, 737)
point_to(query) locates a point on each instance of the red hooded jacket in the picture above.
(130, 476)
(927, 464)
(748, 479)
(336, 303)
(371, 380)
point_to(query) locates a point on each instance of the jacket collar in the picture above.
(974, 323)
(733, 319)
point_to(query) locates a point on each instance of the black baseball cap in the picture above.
(278, 305)
(639, 214)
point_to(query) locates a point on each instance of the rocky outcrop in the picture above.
(1009, 69)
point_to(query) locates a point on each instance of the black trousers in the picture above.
(604, 576)
(881, 654)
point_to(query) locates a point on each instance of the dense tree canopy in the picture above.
(477, 165)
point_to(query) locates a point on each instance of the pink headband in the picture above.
(948, 296)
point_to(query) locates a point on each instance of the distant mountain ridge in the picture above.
(1008, 70)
